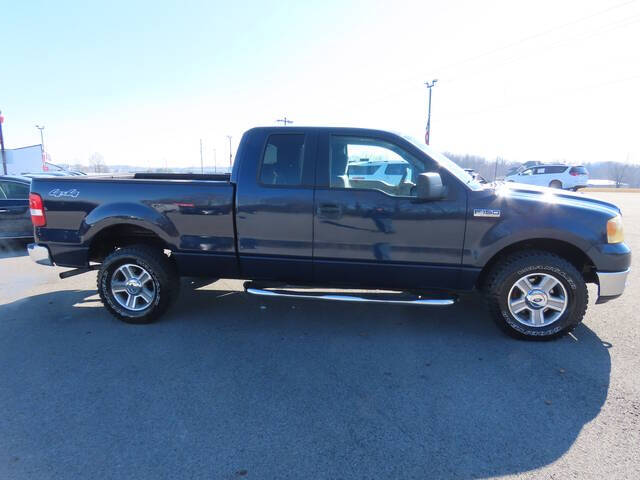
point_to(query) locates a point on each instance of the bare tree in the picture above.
(618, 172)
(96, 163)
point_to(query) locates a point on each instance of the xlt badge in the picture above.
(486, 212)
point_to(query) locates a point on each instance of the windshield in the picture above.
(456, 170)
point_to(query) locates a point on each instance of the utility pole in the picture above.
(230, 157)
(427, 134)
(284, 121)
(201, 161)
(215, 168)
(4, 159)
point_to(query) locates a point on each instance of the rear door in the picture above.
(375, 232)
(274, 206)
(15, 220)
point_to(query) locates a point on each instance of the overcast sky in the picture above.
(142, 82)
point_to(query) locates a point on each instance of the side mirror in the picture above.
(429, 187)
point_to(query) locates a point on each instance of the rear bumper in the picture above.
(39, 254)
(611, 284)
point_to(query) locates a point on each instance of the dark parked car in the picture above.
(15, 220)
(289, 215)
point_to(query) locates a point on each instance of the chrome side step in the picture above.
(419, 300)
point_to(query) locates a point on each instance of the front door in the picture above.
(371, 230)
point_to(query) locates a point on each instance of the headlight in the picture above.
(615, 232)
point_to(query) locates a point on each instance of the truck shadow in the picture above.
(349, 390)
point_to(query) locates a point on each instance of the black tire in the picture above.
(164, 280)
(556, 184)
(501, 280)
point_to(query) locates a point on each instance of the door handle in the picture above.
(331, 210)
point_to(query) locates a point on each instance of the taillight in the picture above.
(574, 173)
(37, 210)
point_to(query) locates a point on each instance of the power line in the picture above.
(559, 93)
(284, 121)
(520, 41)
(615, 26)
(540, 34)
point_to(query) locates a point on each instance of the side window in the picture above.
(540, 171)
(283, 160)
(15, 191)
(3, 196)
(361, 162)
(528, 171)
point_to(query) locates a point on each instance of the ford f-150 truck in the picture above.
(289, 217)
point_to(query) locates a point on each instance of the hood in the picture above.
(555, 196)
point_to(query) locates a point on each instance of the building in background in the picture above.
(23, 160)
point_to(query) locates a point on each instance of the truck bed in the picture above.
(191, 214)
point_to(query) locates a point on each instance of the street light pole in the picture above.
(230, 157)
(44, 155)
(427, 134)
(41, 128)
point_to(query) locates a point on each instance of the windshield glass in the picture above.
(456, 170)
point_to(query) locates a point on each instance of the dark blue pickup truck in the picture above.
(293, 215)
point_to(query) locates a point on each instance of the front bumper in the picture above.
(39, 254)
(611, 284)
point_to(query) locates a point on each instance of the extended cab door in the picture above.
(375, 232)
(274, 204)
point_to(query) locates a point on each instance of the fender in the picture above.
(520, 218)
(128, 213)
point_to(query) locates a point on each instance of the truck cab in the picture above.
(300, 214)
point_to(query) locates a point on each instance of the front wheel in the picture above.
(536, 295)
(556, 184)
(137, 284)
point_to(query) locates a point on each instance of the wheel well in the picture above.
(111, 238)
(569, 252)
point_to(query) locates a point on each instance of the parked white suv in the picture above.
(556, 176)
(389, 171)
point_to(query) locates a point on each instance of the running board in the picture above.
(78, 271)
(336, 297)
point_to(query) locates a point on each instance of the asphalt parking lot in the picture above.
(232, 386)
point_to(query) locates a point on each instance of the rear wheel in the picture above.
(555, 184)
(536, 295)
(137, 284)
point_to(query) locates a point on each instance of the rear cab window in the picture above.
(283, 160)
